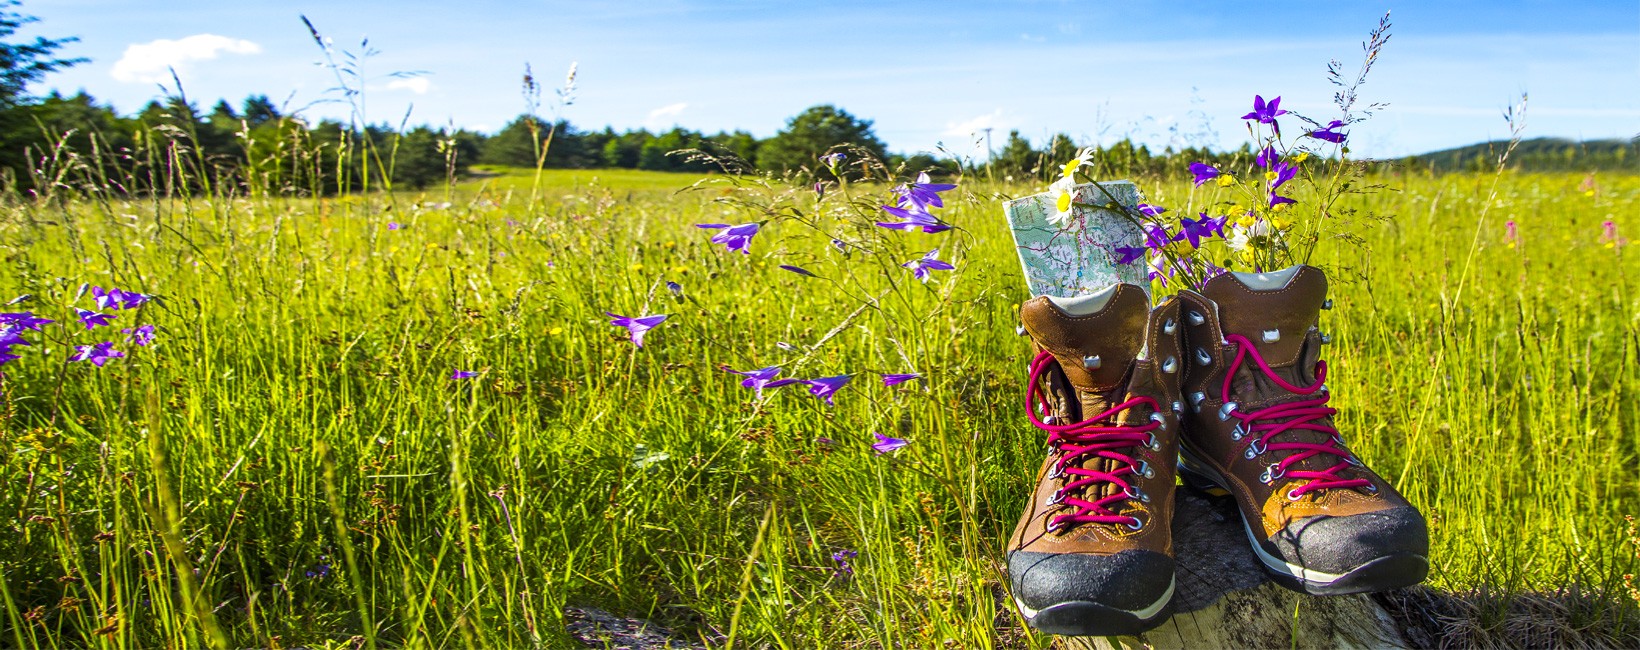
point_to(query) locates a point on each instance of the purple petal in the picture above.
(798, 270)
(895, 379)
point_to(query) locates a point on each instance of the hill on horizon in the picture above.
(1535, 154)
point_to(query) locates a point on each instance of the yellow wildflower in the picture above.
(1226, 180)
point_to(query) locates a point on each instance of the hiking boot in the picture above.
(1093, 552)
(1258, 426)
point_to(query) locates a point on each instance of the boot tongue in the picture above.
(1274, 310)
(1095, 339)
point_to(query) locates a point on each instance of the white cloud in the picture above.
(417, 85)
(152, 62)
(965, 128)
(654, 121)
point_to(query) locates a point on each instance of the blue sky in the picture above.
(928, 73)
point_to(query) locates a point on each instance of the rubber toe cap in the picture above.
(1131, 580)
(1341, 544)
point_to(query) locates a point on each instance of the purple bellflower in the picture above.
(1266, 113)
(761, 378)
(1196, 230)
(463, 374)
(98, 354)
(141, 335)
(911, 218)
(734, 238)
(923, 193)
(895, 379)
(92, 320)
(24, 320)
(1156, 237)
(1204, 172)
(825, 387)
(1151, 210)
(106, 298)
(843, 569)
(1330, 133)
(1284, 172)
(1267, 157)
(1277, 199)
(886, 444)
(798, 270)
(1128, 254)
(930, 261)
(636, 326)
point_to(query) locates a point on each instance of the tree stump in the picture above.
(1224, 599)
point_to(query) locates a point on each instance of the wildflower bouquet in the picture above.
(1265, 209)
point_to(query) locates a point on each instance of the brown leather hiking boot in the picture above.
(1259, 427)
(1093, 552)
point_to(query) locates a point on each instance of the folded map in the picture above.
(1080, 257)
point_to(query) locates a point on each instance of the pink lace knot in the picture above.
(1098, 436)
(1262, 426)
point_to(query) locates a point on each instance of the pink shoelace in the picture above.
(1301, 415)
(1093, 436)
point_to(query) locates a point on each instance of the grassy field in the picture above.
(291, 464)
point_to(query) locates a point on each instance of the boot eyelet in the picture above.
(1168, 326)
(1196, 318)
(1170, 365)
(1327, 304)
(1272, 474)
(1153, 444)
(1196, 399)
(1271, 336)
(1202, 357)
(1144, 469)
(1226, 410)
(1177, 407)
(1136, 525)
(1351, 459)
(1370, 488)
(1051, 419)
(1092, 363)
(1057, 498)
(1253, 450)
(1293, 497)
(1133, 492)
(1237, 433)
(1019, 331)
(1158, 419)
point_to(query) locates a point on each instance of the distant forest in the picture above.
(255, 142)
(74, 142)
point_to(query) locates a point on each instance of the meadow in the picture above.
(291, 464)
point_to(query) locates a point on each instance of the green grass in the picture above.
(296, 412)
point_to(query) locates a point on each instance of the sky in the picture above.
(931, 75)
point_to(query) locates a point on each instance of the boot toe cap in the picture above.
(1133, 581)
(1339, 545)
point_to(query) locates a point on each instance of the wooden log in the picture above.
(1224, 599)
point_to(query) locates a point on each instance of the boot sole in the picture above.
(1086, 618)
(1384, 573)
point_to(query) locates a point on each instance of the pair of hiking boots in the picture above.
(1227, 385)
